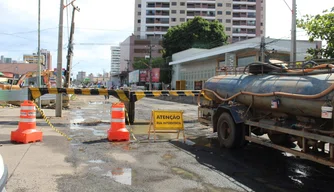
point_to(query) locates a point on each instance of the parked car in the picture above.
(3, 175)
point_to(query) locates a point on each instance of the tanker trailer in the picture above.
(290, 106)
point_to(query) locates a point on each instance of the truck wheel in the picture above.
(228, 134)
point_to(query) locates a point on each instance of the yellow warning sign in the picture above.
(166, 122)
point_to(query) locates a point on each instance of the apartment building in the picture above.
(243, 19)
(115, 60)
(81, 75)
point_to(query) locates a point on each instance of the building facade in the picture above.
(33, 58)
(243, 19)
(115, 60)
(195, 66)
(81, 75)
(134, 48)
(48, 58)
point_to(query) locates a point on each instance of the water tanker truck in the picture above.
(287, 109)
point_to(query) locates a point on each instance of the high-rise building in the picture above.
(115, 60)
(8, 60)
(243, 19)
(45, 59)
(81, 75)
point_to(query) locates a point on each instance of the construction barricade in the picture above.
(26, 132)
(118, 131)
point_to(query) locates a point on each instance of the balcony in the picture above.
(201, 6)
(244, 2)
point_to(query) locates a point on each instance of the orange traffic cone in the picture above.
(118, 131)
(26, 132)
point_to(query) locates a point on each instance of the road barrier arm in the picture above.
(37, 92)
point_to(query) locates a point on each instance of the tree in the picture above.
(196, 33)
(142, 63)
(320, 27)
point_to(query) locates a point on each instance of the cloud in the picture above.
(104, 21)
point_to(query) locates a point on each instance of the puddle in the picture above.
(96, 161)
(121, 175)
(77, 120)
(205, 141)
(96, 102)
(95, 132)
(299, 182)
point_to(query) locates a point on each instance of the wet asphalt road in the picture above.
(169, 165)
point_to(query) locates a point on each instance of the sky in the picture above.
(107, 22)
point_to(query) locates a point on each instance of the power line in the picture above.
(287, 5)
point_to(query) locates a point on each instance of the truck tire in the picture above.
(229, 135)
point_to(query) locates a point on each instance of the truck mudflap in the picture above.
(238, 112)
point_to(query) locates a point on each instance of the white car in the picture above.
(3, 175)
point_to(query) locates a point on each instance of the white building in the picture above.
(194, 65)
(115, 60)
(115, 67)
(243, 19)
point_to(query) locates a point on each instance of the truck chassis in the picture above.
(312, 146)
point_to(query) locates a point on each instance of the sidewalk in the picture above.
(35, 166)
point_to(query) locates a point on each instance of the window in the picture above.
(139, 5)
(182, 19)
(173, 3)
(219, 4)
(220, 20)
(182, 4)
(219, 12)
(228, 12)
(138, 28)
(228, 28)
(228, 21)
(174, 19)
(173, 11)
(139, 13)
(228, 5)
(182, 12)
(139, 21)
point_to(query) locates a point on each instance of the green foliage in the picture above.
(196, 33)
(143, 63)
(320, 27)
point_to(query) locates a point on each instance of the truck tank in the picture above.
(299, 95)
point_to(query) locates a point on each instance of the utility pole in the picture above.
(262, 46)
(293, 34)
(128, 70)
(39, 57)
(70, 49)
(59, 60)
(150, 67)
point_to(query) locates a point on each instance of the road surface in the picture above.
(90, 163)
